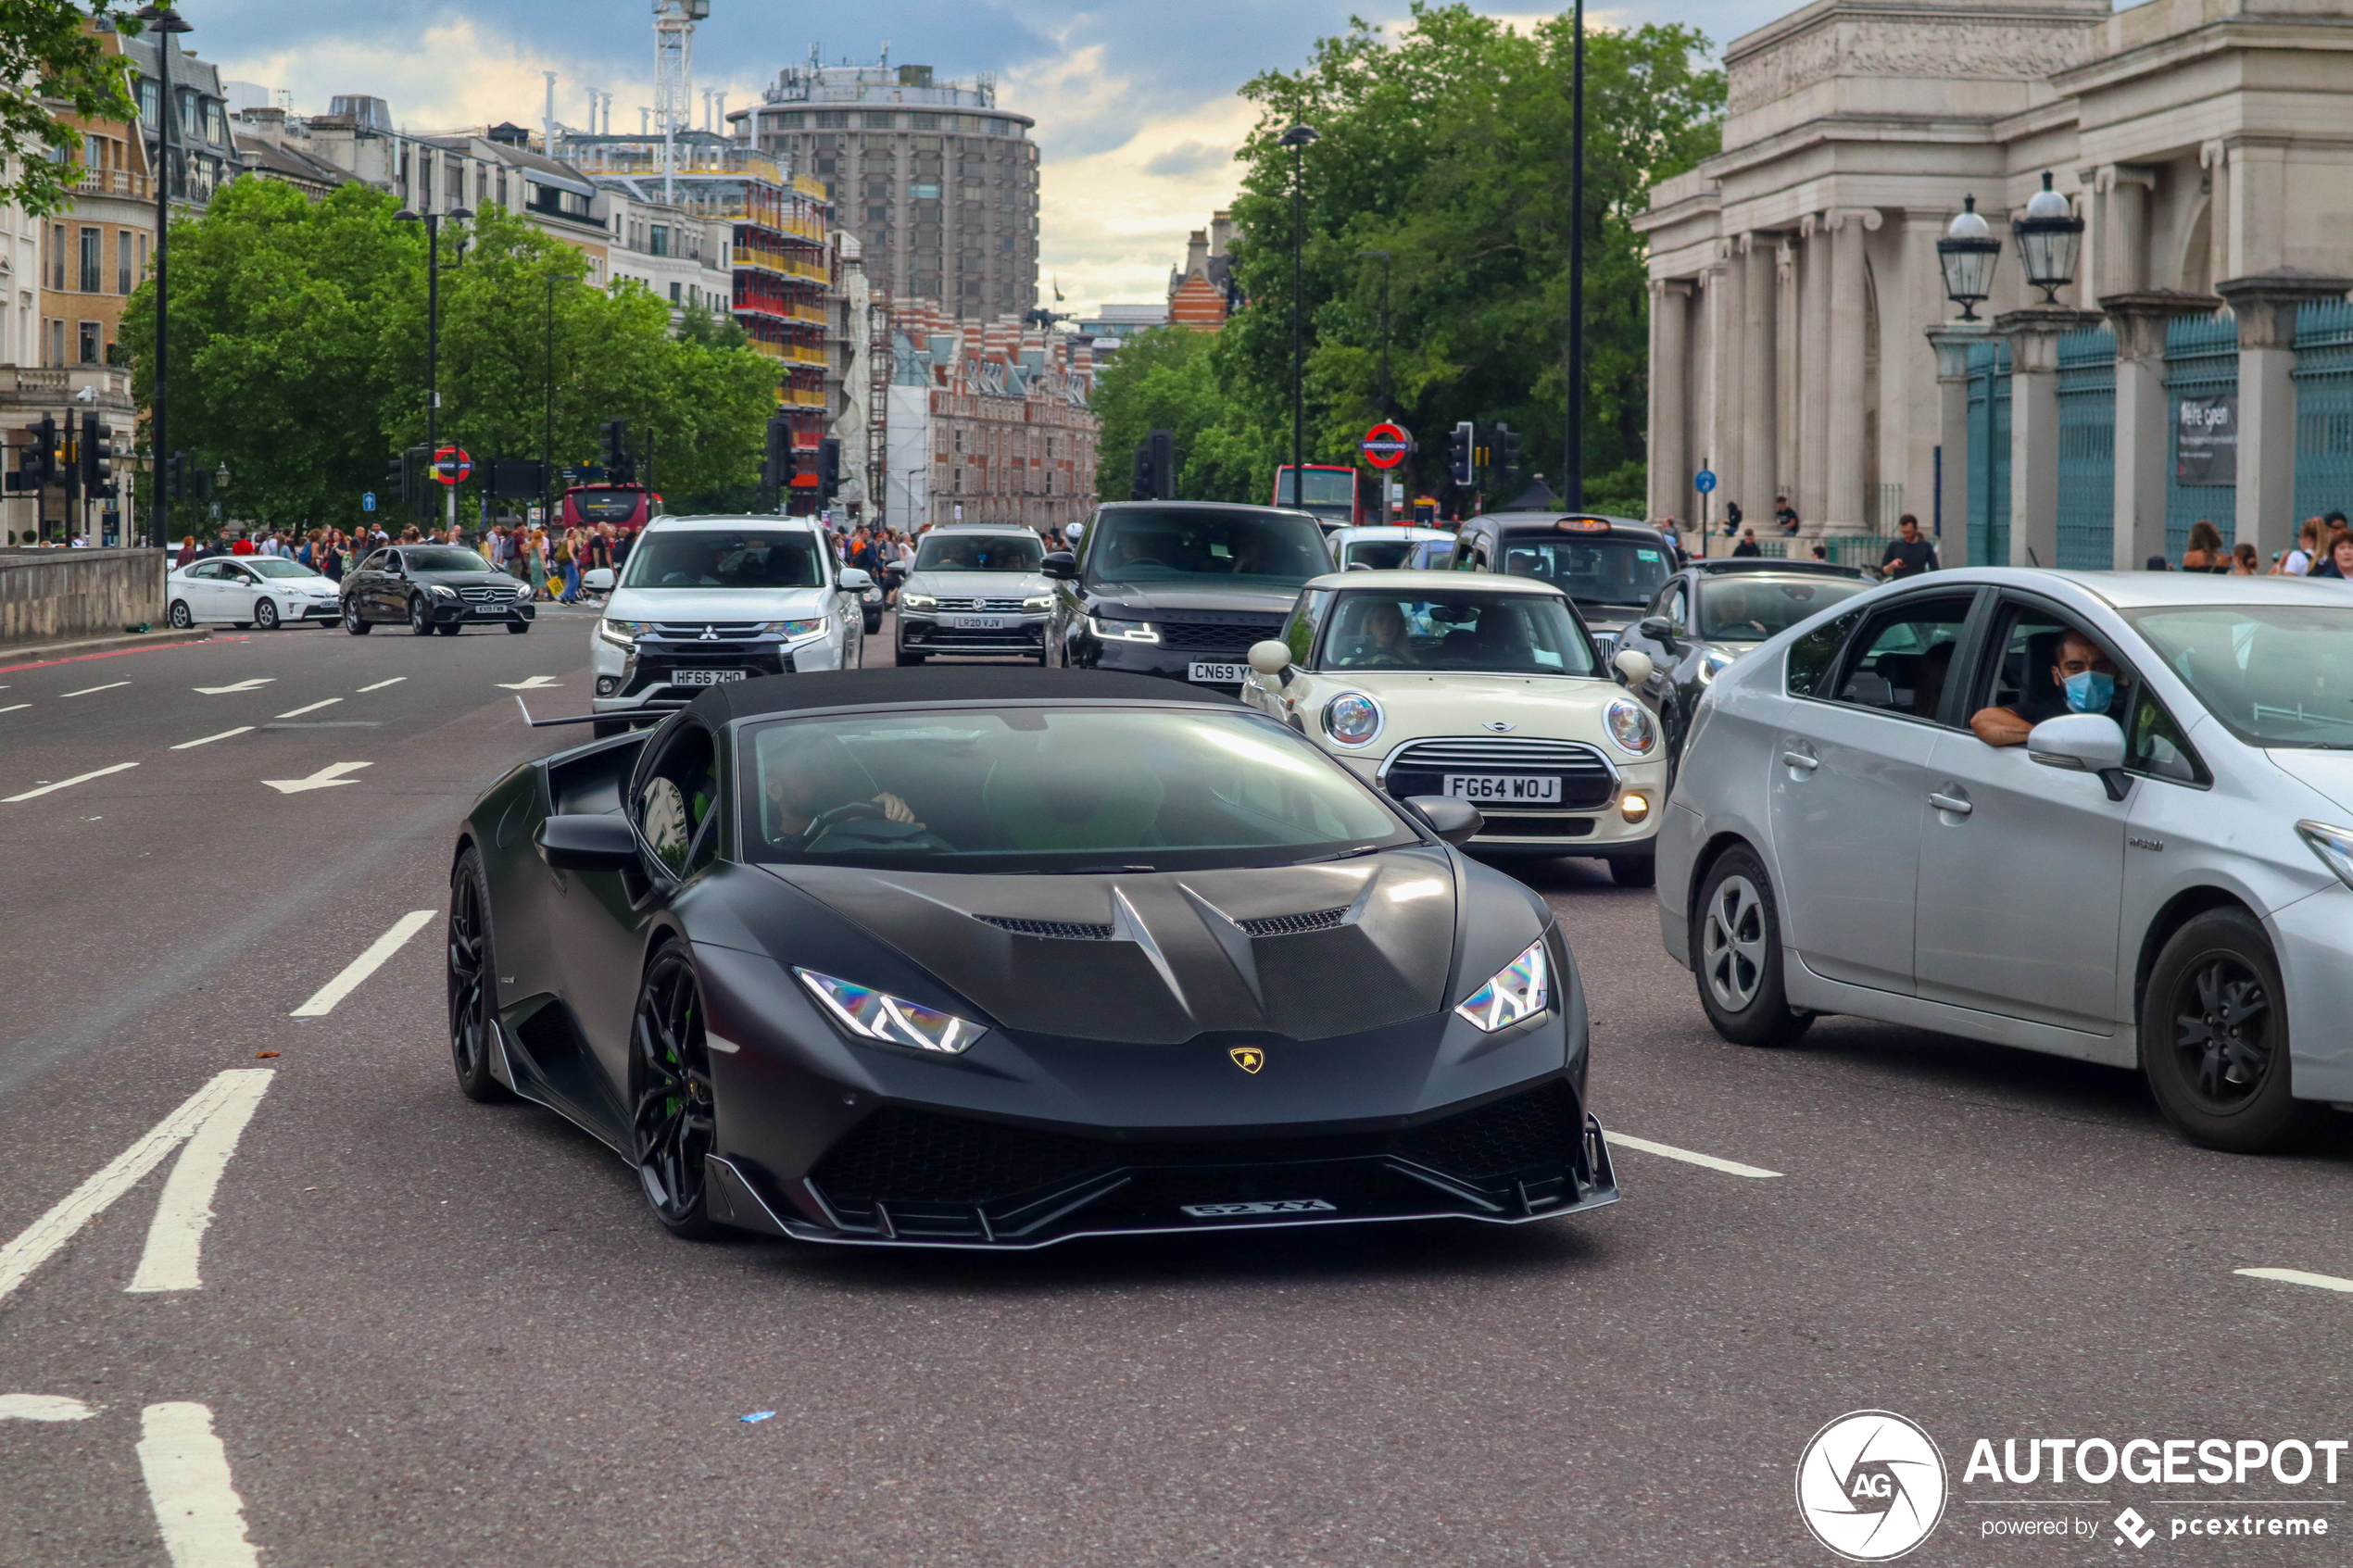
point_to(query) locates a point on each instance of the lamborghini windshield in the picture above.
(1039, 790)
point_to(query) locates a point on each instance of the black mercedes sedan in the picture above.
(1180, 589)
(442, 588)
(995, 958)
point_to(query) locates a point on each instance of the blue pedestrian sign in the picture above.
(368, 502)
(1704, 480)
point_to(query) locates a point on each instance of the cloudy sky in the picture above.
(1135, 99)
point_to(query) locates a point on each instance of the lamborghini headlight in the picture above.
(1630, 726)
(876, 1015)
(1520, 989)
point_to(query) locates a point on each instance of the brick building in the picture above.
(987, 422)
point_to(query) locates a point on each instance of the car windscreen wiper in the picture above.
(1091, 870)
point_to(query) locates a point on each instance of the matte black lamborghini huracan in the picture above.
(996, 958)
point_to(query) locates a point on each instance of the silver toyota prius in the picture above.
(2105, 815)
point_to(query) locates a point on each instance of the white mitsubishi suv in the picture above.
(702, 601)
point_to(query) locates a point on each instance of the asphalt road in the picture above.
(428, 1332)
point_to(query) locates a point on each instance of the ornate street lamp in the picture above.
(2047, 237)
(1967, 255)
(165, 23)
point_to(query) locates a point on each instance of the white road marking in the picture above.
(65, 783)
(313, 707)
(43, 1407)
(533, 684)
(241, 686)
(87, 690)
(195, 1498)
(325, 778)
(14, 705)
(323, 1001)
(2298, 1276)
(382, 685)
(1730, 1167)
(41, 1240)
(175, 1237)
(209, 739)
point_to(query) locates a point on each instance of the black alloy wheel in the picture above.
(354, 623)
(2214, 1036)
(420, 617)
(265, 615)
(473, 992)
(1736, 954)
(180, 616)
(671, 1122)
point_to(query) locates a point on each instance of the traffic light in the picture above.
(417, 486)
(395, 481)
(1506, 450)
(828, 469)
(1461, 454)
(174, 470)
(1164, 446)
(97, 451)
(1143, 486)
(776, 468)
(619, 467)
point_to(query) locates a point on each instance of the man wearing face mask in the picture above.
(2083, 680)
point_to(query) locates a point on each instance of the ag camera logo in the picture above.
(1871, 1486)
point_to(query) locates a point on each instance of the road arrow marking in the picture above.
(325, 778)
(197, 1508)
(299, 712)
(65, 783)
(534, 683)
(240, 686)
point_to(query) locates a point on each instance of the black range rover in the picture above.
(1181, 588)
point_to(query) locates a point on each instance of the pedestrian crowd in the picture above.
(553, 562)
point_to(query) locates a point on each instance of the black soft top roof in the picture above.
(950, 683)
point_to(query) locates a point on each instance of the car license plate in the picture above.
(974, 622)
(1529, 789)
(1215, 674)
(707, 677)
(1278, 1206)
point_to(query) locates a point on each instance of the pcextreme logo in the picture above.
(1871, 1486)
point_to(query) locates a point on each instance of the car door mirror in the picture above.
(599, 580)
(1060, 564)
(1456, 821)
(1658, 628)
(1635, 665)
(588, 843)
(855, 579)
(2082, 743)
(1272, 660)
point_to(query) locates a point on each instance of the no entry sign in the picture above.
(1386, 445)
(450, 465)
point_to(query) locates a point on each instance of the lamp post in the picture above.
(2047, 237)
(1967, 255)
(1296, 139)
(432, 220)
(1573, 438)
(910, 497)
(163, 21)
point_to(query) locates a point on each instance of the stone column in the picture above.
(1952, 340)
(2265, 305)
(1785, 356)
(1757, 380)
(1732, 376)
(1843, 505)
(1670, 465)
(2033, 335)
(1811, 409)
(2142, 443)
(2214, 157)
(2123, 237)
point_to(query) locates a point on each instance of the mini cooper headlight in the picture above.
(1124, 631)
(1351, 719)
(874, 1015)
(1713, 662)
(1630, 726)
(622, 634)
(1520, 989)
(918, 601)
(1037, 601)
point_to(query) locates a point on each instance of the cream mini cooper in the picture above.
(1479, 686)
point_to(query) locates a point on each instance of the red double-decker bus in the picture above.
(626, 507)
(1339, 496)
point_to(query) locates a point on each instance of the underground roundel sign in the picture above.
(450, 465)
(1386, 445)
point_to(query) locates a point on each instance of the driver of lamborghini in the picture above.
(815, 794)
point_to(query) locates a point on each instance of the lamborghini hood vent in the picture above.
(1296, 925)
(1055, 930)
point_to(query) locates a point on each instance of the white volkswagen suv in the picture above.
(702, 601)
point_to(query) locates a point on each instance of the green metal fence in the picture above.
(1988, 536)
(2201, 360)
(2324, 408)
(2087, 450)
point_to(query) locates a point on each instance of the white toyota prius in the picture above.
(2105, 815)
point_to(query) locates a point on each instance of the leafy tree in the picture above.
(53, 63)
(1448, 147)
(298, 340)
(1166, 378)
